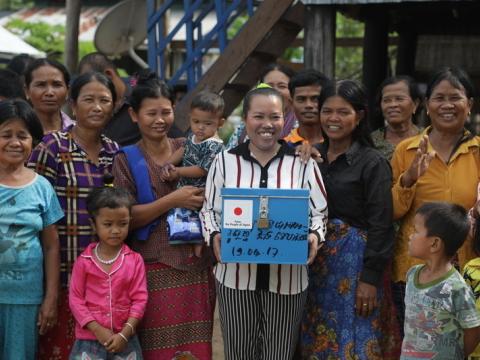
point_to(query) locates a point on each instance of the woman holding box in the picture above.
(261, 305)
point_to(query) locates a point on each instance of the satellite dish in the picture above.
(122, 29)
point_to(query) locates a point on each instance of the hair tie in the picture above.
(263, 86)
(108, 180)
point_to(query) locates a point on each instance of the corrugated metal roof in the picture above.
(360, 2)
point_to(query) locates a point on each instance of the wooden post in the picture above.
(71, 34)
(253, 41)
(375, 57)
(320, 25)
(406, 51)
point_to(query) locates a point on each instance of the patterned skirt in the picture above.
(331, 329)
(178, 320)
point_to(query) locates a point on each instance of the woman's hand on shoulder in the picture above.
(366, 299)
(306, 151)
(419, 165)
(189, 197)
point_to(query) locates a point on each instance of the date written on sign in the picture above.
(250, 251)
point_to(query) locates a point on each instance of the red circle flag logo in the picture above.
(237, 211)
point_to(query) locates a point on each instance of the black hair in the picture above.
(457, 77)
(354, 94)
(447, 221)
(20, 109)
(108, 197)
(19, 63)
(413, 92)
(149, 86)
(413, 89)
(179, 90)
(37, 63)
(264, 91)
(11, 86)
(308, 77)
(476, 236)
(80, 81)
(279, 67)
(95, 61)
(208, 101)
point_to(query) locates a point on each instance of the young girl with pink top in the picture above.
(108, 290)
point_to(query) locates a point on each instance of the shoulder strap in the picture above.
(139, 170)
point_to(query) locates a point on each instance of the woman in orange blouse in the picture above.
(440, 164)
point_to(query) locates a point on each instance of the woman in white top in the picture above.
(258, 321)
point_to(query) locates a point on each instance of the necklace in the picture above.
(106, 262)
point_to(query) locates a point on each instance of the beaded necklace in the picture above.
(106, 262)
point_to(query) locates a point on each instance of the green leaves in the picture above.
(47, 38)
(43, 36)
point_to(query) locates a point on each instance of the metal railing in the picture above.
(198, 42)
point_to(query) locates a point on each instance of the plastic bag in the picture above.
(184, 227)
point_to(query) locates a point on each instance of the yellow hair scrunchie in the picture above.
(263, 86)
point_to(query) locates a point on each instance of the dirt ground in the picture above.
(217, 342)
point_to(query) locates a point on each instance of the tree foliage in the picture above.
(45, 37)
(348, 60)
(16, 4)
(348, 63)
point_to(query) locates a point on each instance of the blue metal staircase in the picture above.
(271, 27)
(197, 43)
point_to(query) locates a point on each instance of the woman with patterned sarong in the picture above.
(178, 320)
(75, 160)
(342, 315)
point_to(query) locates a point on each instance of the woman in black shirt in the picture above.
(341, 318)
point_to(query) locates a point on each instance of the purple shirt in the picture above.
(64, 163)
(66, 120)
(290, 123)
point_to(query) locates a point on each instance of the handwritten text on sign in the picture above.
(284, 241)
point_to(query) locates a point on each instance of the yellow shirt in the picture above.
(471, 274)
(454, 182)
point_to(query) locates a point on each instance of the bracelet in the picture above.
(123, 337)
(131, 327)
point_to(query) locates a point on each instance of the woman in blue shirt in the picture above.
(29, 243)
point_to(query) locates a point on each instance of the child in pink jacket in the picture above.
(108, 290)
